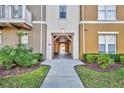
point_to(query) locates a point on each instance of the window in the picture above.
(62, 11)
(16, 11)
(106, 12)
(107, 43)
(24, 39)
(2, 11)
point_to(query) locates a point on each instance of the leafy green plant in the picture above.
(122, 59)
(104, 61)
(38, 56)
(91, 58)
(19, 56)
(115, 57)
(7, 54)
(24, 57)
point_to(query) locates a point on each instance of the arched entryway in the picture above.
(62, 46)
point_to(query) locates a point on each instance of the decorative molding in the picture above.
(101, 22)
(108, 32)
(39, 22)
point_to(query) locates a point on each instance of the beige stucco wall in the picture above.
(91, 12)
(9, 37)
(36, 11)
(44, 39)
(35, 37)
(91, 36)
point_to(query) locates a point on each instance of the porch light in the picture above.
(62, 30)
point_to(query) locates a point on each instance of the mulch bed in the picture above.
(17, 70)
(97, 68)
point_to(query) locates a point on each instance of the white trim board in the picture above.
(39, 22)
(101, 22)
(108, 32)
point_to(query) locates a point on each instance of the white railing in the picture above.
(28, 16)
(15, 12)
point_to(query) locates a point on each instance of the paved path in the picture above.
(62, 74)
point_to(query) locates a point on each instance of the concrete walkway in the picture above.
(62, 74)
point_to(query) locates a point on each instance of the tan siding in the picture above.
(43, 12)
(120, 12)
(36, 12)
(44, 40)
(90, 12)
(35, 37)
(91, 36)
(80, 41)
(9, 37)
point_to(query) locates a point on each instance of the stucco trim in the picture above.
(39, 22)
(108, 32)
(101, 22)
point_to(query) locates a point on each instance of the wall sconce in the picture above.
(63, 30)
(85, 29)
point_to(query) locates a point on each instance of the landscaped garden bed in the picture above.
(96, 67)
(102, 70)
(18, 70)
(32, 78)
(94, 79)
(20, 66)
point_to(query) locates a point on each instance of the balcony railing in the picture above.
(15, 13)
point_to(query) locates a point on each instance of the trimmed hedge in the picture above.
(91, 58)
(122, 59)
(115, 57)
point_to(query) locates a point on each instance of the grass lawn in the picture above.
(94, 79)
(27, 80)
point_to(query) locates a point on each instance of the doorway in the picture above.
(62, 46)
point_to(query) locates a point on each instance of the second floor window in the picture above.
(2, 11)
(25, 38)
(62, 11)
(106, 12)
(16, 11)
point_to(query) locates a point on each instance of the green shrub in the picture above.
(91, 58)
(85, 55)
(115, 57)
(38, 56)
(20, 56)
(104, 61)
(24, 57)
(7, 54)
(122, 59)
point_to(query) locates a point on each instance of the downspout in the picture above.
(83, 31)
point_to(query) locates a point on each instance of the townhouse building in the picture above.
(101, 29)
(64, 31)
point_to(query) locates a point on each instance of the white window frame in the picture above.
(106, 12)
(26, 33)
(106, 36)
(60, 11)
